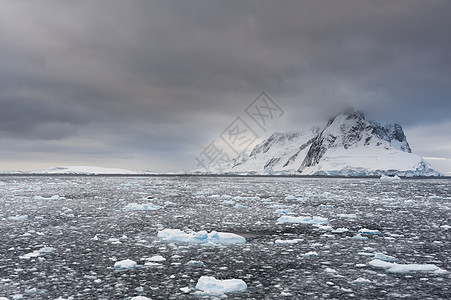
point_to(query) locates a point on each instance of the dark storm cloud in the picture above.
(164, 77)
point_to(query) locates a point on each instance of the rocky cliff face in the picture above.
(347, 145)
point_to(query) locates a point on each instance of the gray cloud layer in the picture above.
(146, 84)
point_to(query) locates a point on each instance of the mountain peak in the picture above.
(347, 145)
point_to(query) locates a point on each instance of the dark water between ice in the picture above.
(412, 216)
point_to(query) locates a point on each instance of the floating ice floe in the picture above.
(393, 267)
(139, 298)
(446, 227)
(18, 218)
(156, 258)
(347, 216)
(340, 230)
(310, 254)
(37, 253)
(246, 198)
(384, 257)
(288, 242)
(209, 285)
(201, 237)
(359, 236)
(369, 231)
(195, 263)
(361, 280)
(144, 206)
(54, 197)
(302, 220)
(125, 264)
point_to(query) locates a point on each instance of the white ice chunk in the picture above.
(340, 230)
(310, 254)
(347, 216)
(325, 227)
(36, 253)
(195, 263)
(54, 197)
(211, 285)
(384, 257)
(201, 237)
(156, 258)
(359, 236)
(361, 280)
(405, 268)
(288, 242)
(302, 220)
(144, 206)
(369, 231)
(125, 264)
(139, 298)
(18, 218)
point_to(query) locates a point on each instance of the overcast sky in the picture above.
(149, 84)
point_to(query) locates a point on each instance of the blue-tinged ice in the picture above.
(144, 206)
(201, 237)
(209, 285)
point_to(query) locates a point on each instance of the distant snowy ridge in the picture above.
(348, 145)
(85, 170)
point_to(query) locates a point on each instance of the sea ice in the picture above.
(18, 218)
(359, 236)
(240, 206)
(156, 258)
(405, 268)
(361, 280)
(125, 264)
(201, 237)
(347, 216)
(340, 230)
(282, 211)
(310, 254)
(195, 263)
(302, 220)
(139, 298)
(54, 197)
(36, 253)
(288, 242)
(144, 206)
(384, 257)
(213, 286)
(369, 231)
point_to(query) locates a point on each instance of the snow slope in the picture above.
(85, 170)
(348, 145)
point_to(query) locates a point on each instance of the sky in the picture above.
(147, 85)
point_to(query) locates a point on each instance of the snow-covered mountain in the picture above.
(348, 145)
(85, 170)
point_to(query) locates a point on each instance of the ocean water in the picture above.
(62, 235)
